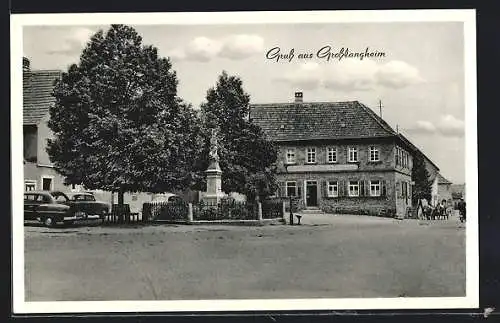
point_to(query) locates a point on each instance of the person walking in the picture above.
(462, 210)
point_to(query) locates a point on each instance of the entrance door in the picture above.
(311, 193)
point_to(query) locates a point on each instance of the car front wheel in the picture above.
(49, 221)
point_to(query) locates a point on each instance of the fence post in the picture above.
(259, 211)
(190, 212)
(283, 214)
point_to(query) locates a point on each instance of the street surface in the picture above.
(327, 256)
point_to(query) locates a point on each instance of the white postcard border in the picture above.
(471, 300)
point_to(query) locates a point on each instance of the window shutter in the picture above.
(361, 188)
(383, 188)
(282, 189)
(367, 188)
(325, 188)
(341, 188)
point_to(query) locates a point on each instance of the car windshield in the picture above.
(83, 197)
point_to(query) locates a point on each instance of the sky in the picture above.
(418, 76)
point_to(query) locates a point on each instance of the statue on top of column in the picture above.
(214, 146)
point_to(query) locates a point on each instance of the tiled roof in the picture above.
(37, 94)
(318, 120)
(442, 180)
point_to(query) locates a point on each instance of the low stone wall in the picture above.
(375, 206)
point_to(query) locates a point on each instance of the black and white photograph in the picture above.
(244, 161)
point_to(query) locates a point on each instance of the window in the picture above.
(400, 157)
(332, 155)
(311, 155)
(47, 183)
(374, 154)
(405, 159)
(374, 188)
(291, 189)
(353, 188)
(84, 197)
(30, 197)
(333, 189)
(61, 199)
(290, 156)
(353, 154)
(405, 189)
(29, 185)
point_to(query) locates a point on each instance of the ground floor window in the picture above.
(47, 183)
(333, 189)
(291, 188)
(30, 185)
(353, 188)
(375, 188)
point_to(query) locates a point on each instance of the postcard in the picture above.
(234, 161)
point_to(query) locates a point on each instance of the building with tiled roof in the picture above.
(39, 173)
(339, 157)
(457, 193)
(431, 167)
(37, 94)
(444, 189)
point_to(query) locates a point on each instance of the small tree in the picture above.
(246, 157)
(117, 121)
(419, 174)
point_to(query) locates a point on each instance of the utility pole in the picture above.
(380, 108)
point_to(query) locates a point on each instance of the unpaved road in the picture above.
(342, 256)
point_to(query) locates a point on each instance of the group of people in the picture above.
(442, 211)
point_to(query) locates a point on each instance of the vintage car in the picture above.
(42, 206)
(84, 204)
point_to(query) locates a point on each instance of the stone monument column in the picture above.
(214, 174)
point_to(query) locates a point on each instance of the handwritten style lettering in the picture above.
(275, 54)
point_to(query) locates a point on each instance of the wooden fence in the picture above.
(120, 214)
(187, 212)
(165, 211)
(225, 210)
(273, 209)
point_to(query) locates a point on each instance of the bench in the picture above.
(298, 218)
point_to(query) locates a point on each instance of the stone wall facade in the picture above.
(393, 177)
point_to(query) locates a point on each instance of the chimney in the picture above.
(299, 97)
(26, 64)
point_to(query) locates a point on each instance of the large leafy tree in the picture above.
(419, 174)
(247, 158)
(118, 123)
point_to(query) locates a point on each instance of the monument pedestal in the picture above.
(214, 192)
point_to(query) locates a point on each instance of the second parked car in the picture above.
(84, 205)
